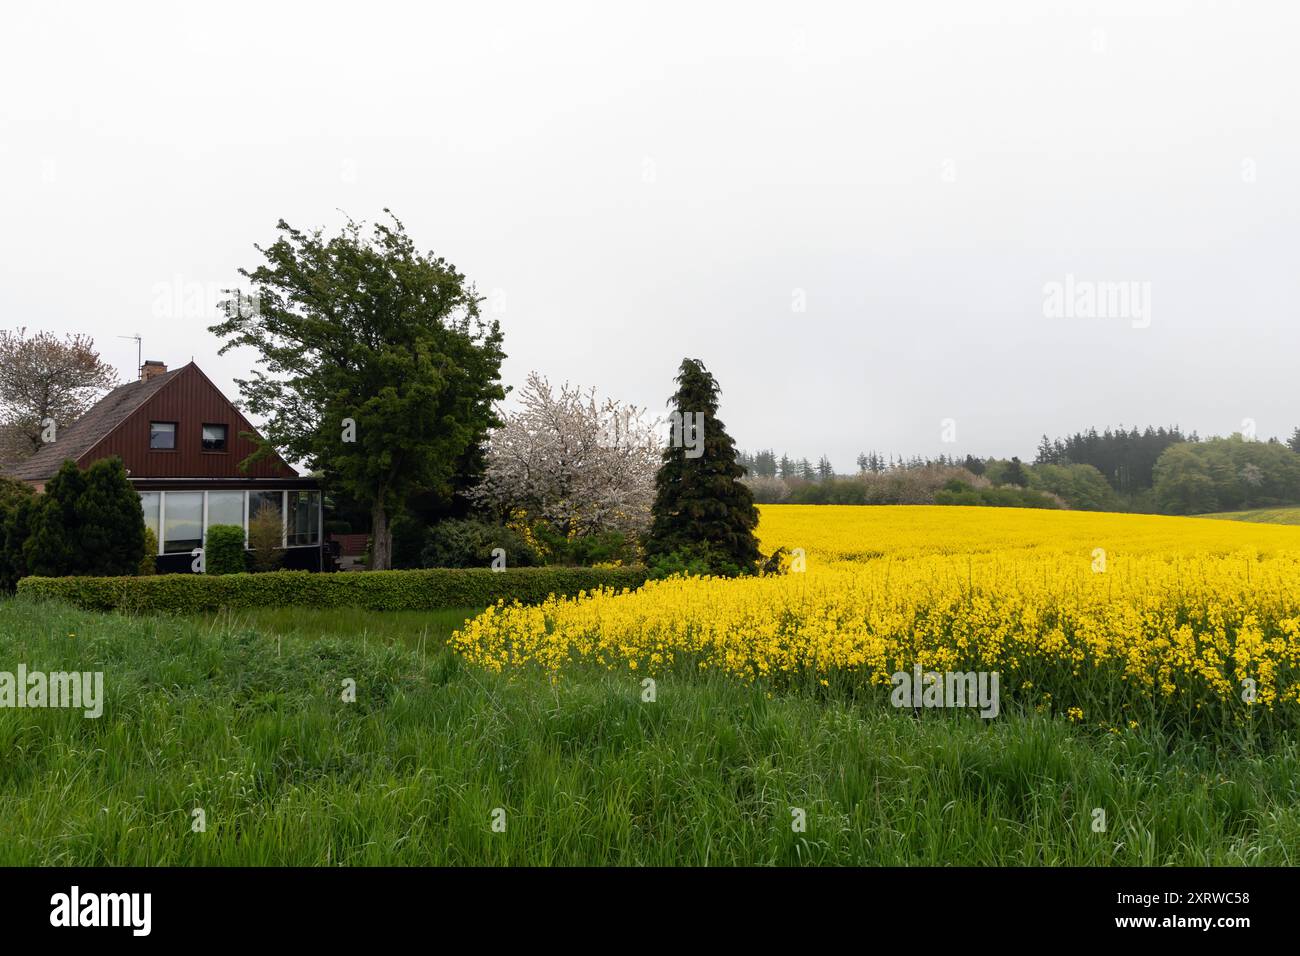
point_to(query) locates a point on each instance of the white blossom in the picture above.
(582, 465)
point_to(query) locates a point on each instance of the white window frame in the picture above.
(248, 493)
(162, 520)
(176, 429)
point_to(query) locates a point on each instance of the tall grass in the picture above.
(425, 631)
(249, 726)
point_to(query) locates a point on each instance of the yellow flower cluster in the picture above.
(1099, 616)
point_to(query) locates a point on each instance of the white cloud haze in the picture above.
(643, 182)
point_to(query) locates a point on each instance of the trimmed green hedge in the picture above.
(421, 590)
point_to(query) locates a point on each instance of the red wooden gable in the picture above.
(190, 401)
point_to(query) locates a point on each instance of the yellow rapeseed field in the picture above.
(1105, 618)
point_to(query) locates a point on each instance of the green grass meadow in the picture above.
(243, 718)
(1261, 515)
(421, 631)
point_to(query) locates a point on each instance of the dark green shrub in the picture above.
(408, 541)
(605, 547)
(969, 497)
(697, 560)
(149, 563)
(223, 553)
(86, 523)
(110, 524)
(337, 526)
(418, 590)
(778, 562)
(1035, 499)
(51, 546)
(1082, 487)
(13, 491)
(900, 486)
(1001, 497)
(17, 499)
(1015, 474)
(1006, 496)
(469, 544)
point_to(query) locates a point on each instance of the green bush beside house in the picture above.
(224, 550)
(84, 523)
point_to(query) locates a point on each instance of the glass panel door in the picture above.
(184, 517)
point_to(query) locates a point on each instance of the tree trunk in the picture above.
(381, 538)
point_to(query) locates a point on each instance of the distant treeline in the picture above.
(765, 464)
(1154, 469)
(1127, 459)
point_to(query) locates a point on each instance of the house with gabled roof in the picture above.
(181, 441)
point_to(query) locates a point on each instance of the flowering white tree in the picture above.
(582, 465)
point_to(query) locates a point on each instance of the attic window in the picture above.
(162, 435)
(214, 437)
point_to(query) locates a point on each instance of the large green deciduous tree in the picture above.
(1183, 485)
(1224, 474)
(379, 370)
(701, 511)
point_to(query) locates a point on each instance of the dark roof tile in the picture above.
(87, 431)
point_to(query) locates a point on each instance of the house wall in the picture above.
(191, 401)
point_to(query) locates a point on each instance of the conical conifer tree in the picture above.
(702, 514)
(110, 524)
(85, 523)
(52, 548)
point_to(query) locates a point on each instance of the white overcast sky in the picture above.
(634, 183)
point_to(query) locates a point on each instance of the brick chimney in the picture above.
(150, 369)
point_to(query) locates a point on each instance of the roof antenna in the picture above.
(139, 353)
